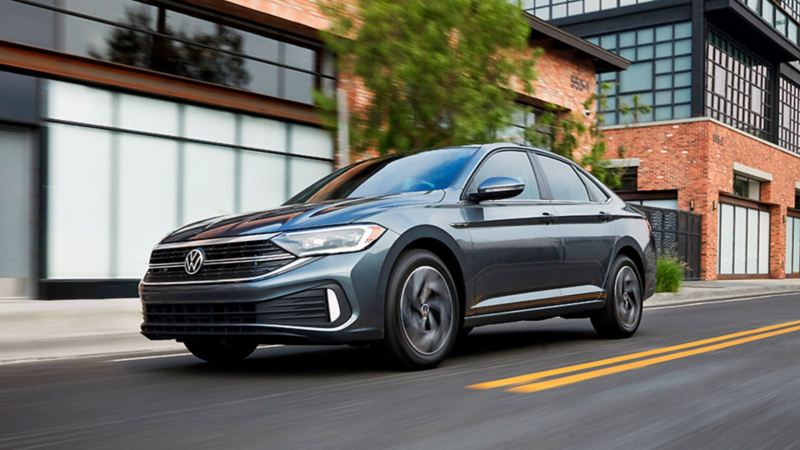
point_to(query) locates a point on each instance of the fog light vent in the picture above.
(333, 305)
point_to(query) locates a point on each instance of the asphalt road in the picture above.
(740, 391)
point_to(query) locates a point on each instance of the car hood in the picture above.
(293, 217)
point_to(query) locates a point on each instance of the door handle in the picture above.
(604, 216)
(548, 217)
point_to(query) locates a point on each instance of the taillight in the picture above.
(649, 227)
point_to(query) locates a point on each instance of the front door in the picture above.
(16, 209)
(516, 250)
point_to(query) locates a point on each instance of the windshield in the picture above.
(427, 171)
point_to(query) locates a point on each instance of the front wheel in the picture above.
(422, 311)
(623, 311)
(221, 351)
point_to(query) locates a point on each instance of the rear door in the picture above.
(516, 251)
(586, 225)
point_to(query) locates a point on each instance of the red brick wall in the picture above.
(305, 12)
(696, 158)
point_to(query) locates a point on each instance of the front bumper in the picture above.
(291, 307)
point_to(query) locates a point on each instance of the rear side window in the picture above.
(595, 192)
(514, 164)
(563, 180)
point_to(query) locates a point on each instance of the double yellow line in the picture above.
(540, 381)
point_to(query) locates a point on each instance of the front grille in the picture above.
(308, 308)
(226, 261)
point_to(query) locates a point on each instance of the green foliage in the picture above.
(669, 274)
(635, 109)
(438, 72)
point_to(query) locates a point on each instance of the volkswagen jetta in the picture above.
(409, 253)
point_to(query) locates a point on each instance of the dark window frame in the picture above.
(745, 74)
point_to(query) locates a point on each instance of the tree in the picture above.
(437, 73)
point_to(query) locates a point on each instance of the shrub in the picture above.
(669, 274)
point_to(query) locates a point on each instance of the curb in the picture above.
(666, 299)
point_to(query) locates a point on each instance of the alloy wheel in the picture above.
(627, 294)
(426, 310)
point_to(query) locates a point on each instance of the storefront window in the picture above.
(159, 38)
(743, 240)
(123, 170)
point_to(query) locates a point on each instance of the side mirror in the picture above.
(498, 188)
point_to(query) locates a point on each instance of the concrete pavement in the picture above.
(36, 330)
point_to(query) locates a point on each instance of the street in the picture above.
(737, 391)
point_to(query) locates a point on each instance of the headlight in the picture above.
(327, 241)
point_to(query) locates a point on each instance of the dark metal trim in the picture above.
(699, 36)
(627, 18)
(735, 200)
(604, 60)
(186, 140)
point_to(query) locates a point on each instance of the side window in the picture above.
(514, 164)
(595, 192)
(563, 180)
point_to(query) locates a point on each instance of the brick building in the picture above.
(723, 138)
(122, 120)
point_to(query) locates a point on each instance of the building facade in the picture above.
(121, 120)
(722, 138)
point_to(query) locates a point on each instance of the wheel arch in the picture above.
(628, 247)
(440, 243)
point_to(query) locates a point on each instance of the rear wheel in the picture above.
(221, 351)
(623, 311)
(422, 311)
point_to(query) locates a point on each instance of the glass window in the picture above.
(595, 193)
(737, 82)
(563, 180)
(77, 103)
(147, 201)
(148, 115)
(311, 141)
(79, 203)
(430, 170)
(511, 164)
(638, 77)
(263, 180)
(163, 181)
(264, 134)
(208, 181)
(211, 125)
(726, 239)
(180, 44)
(658, 71)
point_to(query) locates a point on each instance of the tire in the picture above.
(221, 351)
(622, 314)
(422, 311)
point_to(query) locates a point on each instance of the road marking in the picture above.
(139, 358)
(564, 381)
(527, 378)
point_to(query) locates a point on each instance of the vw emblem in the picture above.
(194, 261)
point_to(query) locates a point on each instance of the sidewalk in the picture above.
(700, 291)
(34, 330)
